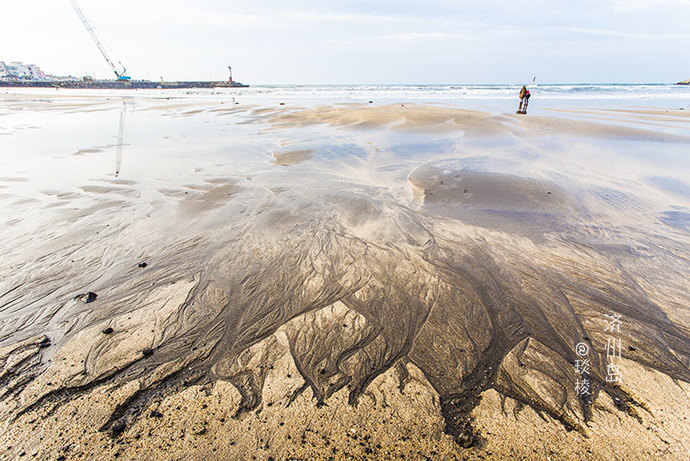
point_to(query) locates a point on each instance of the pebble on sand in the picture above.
(86, 297)
(118, 428)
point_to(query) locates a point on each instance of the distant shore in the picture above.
(117, 84)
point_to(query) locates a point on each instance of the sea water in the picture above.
(462, 92)
(421, 93)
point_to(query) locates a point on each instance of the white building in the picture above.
(19, 70)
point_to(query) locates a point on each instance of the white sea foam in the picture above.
(462, 92)
(417, 93)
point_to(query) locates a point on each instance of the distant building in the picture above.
(21, 71)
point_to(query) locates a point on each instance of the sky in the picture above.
(358, 41)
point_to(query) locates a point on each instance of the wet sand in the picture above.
(342, 280)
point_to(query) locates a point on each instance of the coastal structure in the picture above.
(121, 74)
(119, 84)
(20, 75)
(17, 70)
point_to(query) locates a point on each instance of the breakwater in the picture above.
(118, 84)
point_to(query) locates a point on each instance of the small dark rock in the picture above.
(107, 331)
(143, 264)
(466, 440)
(148, 352)
(118, 428)
(86, 297)
(61, 458)
(155, 414)
(45, 342)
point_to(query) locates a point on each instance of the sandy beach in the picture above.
(355, 280)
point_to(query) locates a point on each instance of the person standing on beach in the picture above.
(524, 98)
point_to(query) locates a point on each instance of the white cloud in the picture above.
(632, 5)
(671, 36)
(419, 36)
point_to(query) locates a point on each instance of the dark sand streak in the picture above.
(407, 299)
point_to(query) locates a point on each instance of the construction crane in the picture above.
(120, 75)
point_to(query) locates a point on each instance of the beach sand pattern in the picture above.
(347, 280)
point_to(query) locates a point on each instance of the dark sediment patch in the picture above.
(92, 150)
(673, 185)
(492, 191)
(500, 201)
(357, 287)
(292, 157)
(677, 219)
(111, 190)
(200, 199)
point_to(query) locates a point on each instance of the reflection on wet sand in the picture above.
(261, 296)
(120, 138)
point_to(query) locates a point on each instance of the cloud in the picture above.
(628, 35)
(419, 36)
(632, 5)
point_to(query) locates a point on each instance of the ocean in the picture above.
(461, 92)
(419, 93)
